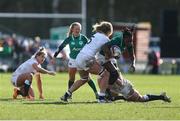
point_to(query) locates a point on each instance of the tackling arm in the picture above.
(106, 51)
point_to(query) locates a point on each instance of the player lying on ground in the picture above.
(123, 89)
(23, 75)
(117, 84)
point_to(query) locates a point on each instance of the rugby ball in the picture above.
(115, 51)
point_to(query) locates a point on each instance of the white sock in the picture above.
(145, 97)
(101, 94)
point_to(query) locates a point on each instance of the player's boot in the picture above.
(102, 99)
(166, 98)
(65, 97)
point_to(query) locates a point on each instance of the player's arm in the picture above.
(127, 35)
(130, 49)
(39, 85)
(61, 46)
(42, 70)
(106, 51)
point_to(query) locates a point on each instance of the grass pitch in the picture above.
(83, 105)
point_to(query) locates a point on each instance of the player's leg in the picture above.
(112, 95)
(24, 82)
(84, 78)
(72, 73)
(137, 97)
(152, 97)
(31, 95)
(93, 86)
(110, 67)
(102, 80)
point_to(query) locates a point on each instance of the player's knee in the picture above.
(113, 77)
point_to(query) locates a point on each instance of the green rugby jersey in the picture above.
(75, 44)
(116, 40)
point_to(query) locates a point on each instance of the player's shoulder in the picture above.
(117, 36)
(33, 60)
(83, 36)
(67, 39)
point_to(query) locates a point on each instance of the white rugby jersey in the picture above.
(95, 44)
(26, 67)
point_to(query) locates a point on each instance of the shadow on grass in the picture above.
(48, 102)
(57, 103)
(7, 99)
(64, 103)
(166, 107)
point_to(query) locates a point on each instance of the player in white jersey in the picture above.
(124, 87)
(117, 84)
(86, 62)
(89, 51)
(23, 75)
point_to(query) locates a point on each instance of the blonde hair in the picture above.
(69, 33)
(40, 51)
(103, 27)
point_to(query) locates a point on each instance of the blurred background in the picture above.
(27, 24)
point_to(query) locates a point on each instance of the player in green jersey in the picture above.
(118, 84)
(76, 42)
(123, 40)
(87, 64)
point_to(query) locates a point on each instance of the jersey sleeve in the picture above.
(85, 39)
(61, 46)
(117, 40)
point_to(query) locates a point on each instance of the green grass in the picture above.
(83, 105)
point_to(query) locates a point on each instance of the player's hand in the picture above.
(53, 61)
(52, 73)
(41, 97)
(132, 68)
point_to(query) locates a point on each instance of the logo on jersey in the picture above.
(76, 49)
(81, 42)
(72, 43)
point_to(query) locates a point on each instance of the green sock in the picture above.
(92, 85)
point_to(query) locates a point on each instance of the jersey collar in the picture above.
(73, 38)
